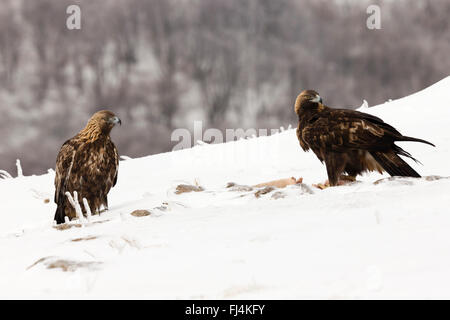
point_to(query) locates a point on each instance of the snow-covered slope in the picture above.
(365, 240)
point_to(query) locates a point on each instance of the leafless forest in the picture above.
(161, 64)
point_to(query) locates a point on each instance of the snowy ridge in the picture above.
(371, 239)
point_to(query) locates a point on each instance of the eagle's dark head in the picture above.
(99, 124)
(305, 99)
(105, 119)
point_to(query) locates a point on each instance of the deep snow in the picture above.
(365, 240)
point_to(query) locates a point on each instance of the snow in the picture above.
(386, 240)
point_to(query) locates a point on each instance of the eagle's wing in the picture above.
(341, 130)
(64, 165)
(116, 161)
(372, 119)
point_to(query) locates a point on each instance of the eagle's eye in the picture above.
(315, 98)
(114, 120)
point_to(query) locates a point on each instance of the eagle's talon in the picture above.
(102, 210)
(322, 186)
(346, 178)
(343, 180)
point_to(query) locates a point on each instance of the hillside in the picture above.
(367, 240)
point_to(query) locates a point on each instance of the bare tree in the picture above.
(11, 37)
(238, 62)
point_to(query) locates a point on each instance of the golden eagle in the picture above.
(350, 141)
(87, 163)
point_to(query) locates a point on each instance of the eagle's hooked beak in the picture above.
(316, 99)
(116, 120)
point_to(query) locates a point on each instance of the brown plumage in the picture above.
(87, 163)
(350, 141)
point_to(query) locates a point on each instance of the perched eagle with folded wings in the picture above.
(87, 163)
(350, 141)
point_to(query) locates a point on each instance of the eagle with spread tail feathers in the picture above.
(87, 163)
(350, 141)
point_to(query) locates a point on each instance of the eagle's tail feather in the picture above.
(405, 138)
(394, 165)
(400, 151)
(60, 214)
